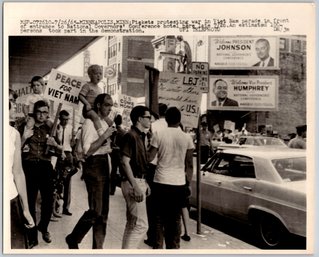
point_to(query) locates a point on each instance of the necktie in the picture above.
(63, 135)
(219, 103)
(262, 64)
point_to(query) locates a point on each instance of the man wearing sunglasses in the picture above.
(38, 170)
(134, 187)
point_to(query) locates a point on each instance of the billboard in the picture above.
(243, 52)
(240, 93)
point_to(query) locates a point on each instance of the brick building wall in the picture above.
(137, 52)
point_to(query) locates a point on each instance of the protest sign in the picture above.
(126, 104)
(22, 91)
(182, 91)
(228, 124)
(64, 88)
(202, 69)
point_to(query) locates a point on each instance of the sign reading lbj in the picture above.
(64, 88)
(182, 91)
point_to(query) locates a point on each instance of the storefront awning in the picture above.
(37, 55)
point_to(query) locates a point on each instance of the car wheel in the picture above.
(271, 232)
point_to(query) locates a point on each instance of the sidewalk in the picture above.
(209, 239)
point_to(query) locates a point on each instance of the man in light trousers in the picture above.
(134, 187)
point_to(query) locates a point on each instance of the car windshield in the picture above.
(261, 141)
(291, 169)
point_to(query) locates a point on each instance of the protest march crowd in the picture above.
(152, 162)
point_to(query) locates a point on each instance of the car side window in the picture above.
(235, 166)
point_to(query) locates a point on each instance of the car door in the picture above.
(236, 186)
(210, 196)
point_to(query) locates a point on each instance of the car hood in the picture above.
(299, 186)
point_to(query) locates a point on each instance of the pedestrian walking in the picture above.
(117, 142)
(299, 141)
(157, 125)
(96, 175)
(205, 142)
(135, 187)
(19, 207)
(38, 170)
(65, 163)
(174, 170)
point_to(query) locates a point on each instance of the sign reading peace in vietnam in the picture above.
(64, 88)
(182, 91)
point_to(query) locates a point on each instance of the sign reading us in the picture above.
(182, 91)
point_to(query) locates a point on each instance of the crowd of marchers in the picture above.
(152, 162)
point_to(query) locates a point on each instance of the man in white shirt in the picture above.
(157, 126)
(96, 175)
(65, 162)
(174, 149)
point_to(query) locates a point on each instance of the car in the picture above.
(264, 187)
(260, 141)
(251, 141)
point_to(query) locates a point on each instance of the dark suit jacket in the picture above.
(228, 102)
(271, 63)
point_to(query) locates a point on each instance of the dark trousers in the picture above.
(67, 192)
(67, 163)
(150, 206)
(205, 153)
(96, 177)
(39, 177)
(18, 232)
(168, 209)
(115, 160)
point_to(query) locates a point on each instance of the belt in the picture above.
(142, 176)
(36, 160)
(97, 156)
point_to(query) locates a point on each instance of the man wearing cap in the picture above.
(299, 141)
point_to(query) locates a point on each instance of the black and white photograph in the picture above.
(133, 129)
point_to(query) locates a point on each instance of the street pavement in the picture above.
(209, 238)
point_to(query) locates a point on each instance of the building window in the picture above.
(112, 51)
(111, 89)
(119, 47)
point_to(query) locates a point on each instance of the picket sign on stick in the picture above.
(55, 125)
(73, 127)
